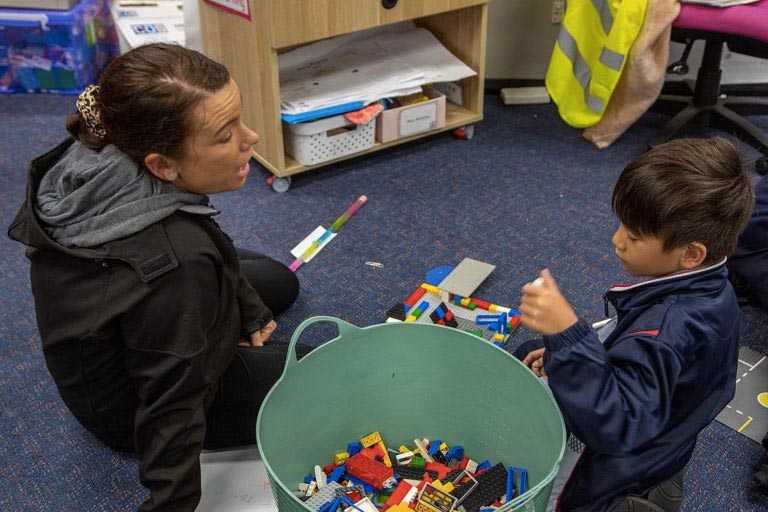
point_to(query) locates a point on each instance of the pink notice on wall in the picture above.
(239, 7)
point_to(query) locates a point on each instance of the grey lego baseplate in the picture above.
(466, 277)
(327, 493)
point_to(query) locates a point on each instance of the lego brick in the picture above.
(327, 493)
(413, 473)
(466, 277)
(491, 485)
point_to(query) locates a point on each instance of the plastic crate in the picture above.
(55, 51)
(326, 139)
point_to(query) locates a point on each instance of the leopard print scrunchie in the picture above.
(86, 105)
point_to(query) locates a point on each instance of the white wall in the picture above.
(521, 36)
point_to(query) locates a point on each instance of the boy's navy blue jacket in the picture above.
(640, 399)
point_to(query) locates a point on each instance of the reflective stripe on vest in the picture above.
(589, 56)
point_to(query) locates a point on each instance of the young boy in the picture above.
(639, 399)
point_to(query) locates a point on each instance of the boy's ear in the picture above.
(161, 166)
(693, 255)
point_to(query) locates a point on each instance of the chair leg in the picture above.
(682, 118)
(746, 105)
(729, 121)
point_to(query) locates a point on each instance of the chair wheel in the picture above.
(761, 166)
(280, 185)
(464, 132)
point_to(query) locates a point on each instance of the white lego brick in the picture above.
(364, 505)
(320, 477)
(422, 446)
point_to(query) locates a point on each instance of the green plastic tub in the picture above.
(407, 381)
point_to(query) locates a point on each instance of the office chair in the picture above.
(744, 28)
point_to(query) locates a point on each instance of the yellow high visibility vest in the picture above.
(590, 54)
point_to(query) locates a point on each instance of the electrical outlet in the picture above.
(558, 9)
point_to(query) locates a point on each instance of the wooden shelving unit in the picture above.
(250, 51)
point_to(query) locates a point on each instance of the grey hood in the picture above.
(89, 198)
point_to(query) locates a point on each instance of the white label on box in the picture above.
(418, 118)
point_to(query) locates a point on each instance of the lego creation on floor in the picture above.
(442, 305)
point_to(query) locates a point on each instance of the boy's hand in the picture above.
(258, 338)
(544, 309)
(535, 359)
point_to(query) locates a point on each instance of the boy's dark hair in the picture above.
(687, 190)
(146, 100)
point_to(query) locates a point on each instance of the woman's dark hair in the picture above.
(147, 97)
(687, 190)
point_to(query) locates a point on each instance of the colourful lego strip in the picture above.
(410, 301)
(416, 313)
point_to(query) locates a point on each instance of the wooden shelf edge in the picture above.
(455, 117)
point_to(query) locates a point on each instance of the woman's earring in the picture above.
(173, 175)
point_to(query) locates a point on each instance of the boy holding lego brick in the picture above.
(639, 398)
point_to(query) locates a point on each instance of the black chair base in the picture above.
(724, 115)
(705, 107)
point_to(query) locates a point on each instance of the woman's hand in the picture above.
(544, 309)
(258, 338)
(535, 359)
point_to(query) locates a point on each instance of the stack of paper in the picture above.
(360, 68)
(718, 3)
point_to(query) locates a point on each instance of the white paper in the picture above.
(149, 22)
(235, 480)
(364, 67)
(304, 244)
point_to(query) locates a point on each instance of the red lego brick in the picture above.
(370, 471)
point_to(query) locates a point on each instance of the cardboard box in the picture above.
(410, 120)
(158, 21)
(55, 51)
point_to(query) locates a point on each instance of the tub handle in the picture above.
(345, 329)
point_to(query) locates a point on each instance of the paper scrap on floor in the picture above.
(235, 480)
(304, 244)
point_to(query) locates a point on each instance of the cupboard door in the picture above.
(299, 21)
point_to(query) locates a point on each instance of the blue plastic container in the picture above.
(55, 51)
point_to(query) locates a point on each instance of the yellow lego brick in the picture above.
(371, 439)
(403, 449)
(411, 318)
(341, 458)
(434, 290)
(387, 460)
(493, 308)
(498, 337)
(423, 507)
(443, 447)
(465, 302)
(400, 507)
